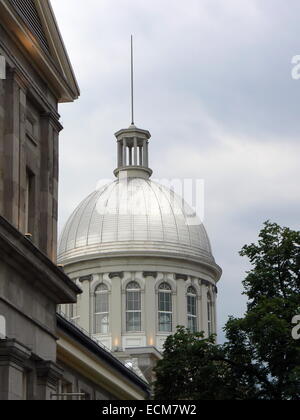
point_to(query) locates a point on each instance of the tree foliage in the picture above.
(260, 359)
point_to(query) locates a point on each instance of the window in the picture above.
(192, 309)
(209, 314)
(133, 307)
(165, 308)
(101, 310)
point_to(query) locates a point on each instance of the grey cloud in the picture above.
(213, 85)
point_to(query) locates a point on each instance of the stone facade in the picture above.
(29, 128)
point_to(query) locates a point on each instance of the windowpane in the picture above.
(133, 321)
(165, 286)
(165, 322)
(101, 310)
(165, 302)
(165, 308)
(101, 302)
(133, 285)
(192, 323)
(133, 301)
(133, 307)
(101, 324)
(191, 305)
(101, 288)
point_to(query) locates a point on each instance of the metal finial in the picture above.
(132, 108)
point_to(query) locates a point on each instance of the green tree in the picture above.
(194, 368)
(263, 336)
(260, 359)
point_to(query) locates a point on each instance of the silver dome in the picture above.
(133, 215)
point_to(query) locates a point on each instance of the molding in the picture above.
(11, 351)
(54, 119)
(202, 264)
(119, 274)
(49, 372)
(33, 91)
(150, 274)
(181, 277)
(35, 266)
(205, 283)
(86, 278)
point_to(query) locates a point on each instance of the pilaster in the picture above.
(48, 375)
(13, 357)
(116, 311)
(85, 284)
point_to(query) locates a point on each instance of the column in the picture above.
(130, 155)
(140, 155)
(48, 375)
(181, 301)
(85, 312)
(215, 319)
(124, 152)
(13, 356)
(115, 310)
(204, 316)
(46, 197)
(120, 157)
(150, 308)
(135, 151)
(145, 153)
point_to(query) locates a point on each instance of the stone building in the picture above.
(42, 354)
(142, 259)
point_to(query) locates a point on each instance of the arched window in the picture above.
(165, 308)
(209, 314)
(192, 309)
(101, 310)
(133, 307)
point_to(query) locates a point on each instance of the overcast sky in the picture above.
(214, 87)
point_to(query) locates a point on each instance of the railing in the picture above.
(128, 364)
(85, 332)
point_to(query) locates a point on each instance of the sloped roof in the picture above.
(30, 15)
(34, 24)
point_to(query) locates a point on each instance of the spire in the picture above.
(132, 104)
(132, 144)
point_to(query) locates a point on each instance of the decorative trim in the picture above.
(52, 117)
(85, 278)
(11, 351)
(49, 372)
(205, 283)
(181, 277)
(116, 274)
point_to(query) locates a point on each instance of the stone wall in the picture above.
(29, 129)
